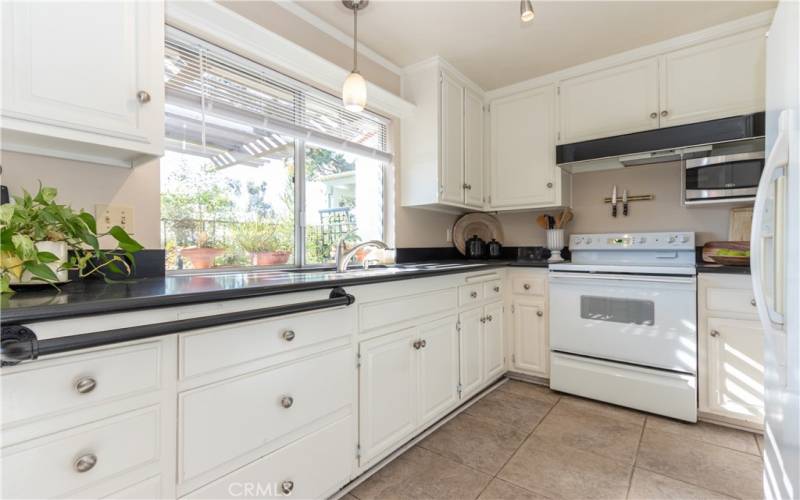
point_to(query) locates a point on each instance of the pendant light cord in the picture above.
(355, 38)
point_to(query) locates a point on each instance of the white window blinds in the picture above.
(232, 110)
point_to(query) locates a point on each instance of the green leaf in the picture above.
(46, 195)
(24, 246)
(125, 241)
(46, 257)
(89, 220)
(41, 271)
(5, 286)
(6, 212)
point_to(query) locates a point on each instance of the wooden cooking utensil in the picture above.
(542, 221)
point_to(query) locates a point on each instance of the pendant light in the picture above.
(354, 90)
(526, 11)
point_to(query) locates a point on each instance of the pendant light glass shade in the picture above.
(526, 11)
(354, 92)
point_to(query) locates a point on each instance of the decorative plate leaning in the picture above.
(484, 225)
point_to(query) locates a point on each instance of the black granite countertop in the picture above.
(719, 268)
(98, 297)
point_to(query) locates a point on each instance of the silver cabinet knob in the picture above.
(143, 97)
(287, 401)
(423, 343)
(549, 185)
(664, 113)
(496, 289)
(85, 385)
(483, 319)
(467, 186)
(489, 317)
(474, 295)
(288, 335)
(85, 463)
(540, 313)
(417, 344)
(653, 115)
(526, 286)
(753, 302)
(287, 487)
(714, 333)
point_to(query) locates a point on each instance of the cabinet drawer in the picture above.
(313, 467)
(493, 289)
(734, 300)
(469, 294)
(46, 387)
(226, 420)
(211, 349)
(411, 307)
(528, 285)
(118, 445)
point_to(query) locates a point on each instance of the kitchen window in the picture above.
(261, 169)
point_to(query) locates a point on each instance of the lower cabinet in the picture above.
(407, 379)
(531, 344)
(481, 346)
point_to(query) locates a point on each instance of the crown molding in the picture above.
(214, 23)
(447, 66)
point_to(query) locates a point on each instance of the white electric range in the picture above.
(623, 321)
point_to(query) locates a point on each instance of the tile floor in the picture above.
(523, 441)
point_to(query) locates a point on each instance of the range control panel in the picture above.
(680, 240)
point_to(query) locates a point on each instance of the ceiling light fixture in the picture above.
(354, 90)
(526, 11)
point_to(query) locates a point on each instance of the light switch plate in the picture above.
(109, 216)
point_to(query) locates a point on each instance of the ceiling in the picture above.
(488, 43)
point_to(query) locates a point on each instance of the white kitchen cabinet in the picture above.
(388, 385)
(712, 80)
(84, 80)
(730, 351)
(438, 369)
(523, 171)
(493, 344)
(531, 345)
(442, 140)
(471, 350)
(613, 101)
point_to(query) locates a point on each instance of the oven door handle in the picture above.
(556, 276)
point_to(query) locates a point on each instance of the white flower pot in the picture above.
(57, 248)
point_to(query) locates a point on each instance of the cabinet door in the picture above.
(714, 80)
(473, 149)
(523, 148)
(438, 369)
(471, 350)
(388, 392)
(452, 144)
(610, 102)
(493, 345)
(77, 67)
(735, 369)
(531, 346)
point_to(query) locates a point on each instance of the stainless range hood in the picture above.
(657, 146)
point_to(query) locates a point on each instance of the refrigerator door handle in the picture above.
(771, 311)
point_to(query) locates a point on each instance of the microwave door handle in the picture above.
(774, 174)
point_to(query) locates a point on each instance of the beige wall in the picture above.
(82, 185)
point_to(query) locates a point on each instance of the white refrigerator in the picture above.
(775, 256)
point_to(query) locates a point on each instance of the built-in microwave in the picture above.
(725, 178)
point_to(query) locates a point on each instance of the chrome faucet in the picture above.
(343, 255)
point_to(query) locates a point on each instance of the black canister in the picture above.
(495, 249)
(476, 248)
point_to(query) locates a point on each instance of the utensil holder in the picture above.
(555, 242)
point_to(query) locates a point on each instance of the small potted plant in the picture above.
(202, 256)
(41, 241)
(266, 243)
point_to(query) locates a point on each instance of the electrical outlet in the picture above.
(109, 216)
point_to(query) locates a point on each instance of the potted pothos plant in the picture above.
(268, 244)
(41, 241)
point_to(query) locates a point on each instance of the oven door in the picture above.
(730, 176)
(638, 319)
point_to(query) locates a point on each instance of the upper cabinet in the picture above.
(523, 171)
(84, 80)
(610, 102)
(716, 79)
(442, 142)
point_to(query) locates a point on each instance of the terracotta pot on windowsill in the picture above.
(201, 257)
(270, 258)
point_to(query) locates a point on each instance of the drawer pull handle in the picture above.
(540, 313)
(526, 286)
(496, 289)
(287, 487)
(288, 335)
(473, 294)
(753, 302)
(85, 385)
(85, 463)
(714, 333)
(287, 401)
